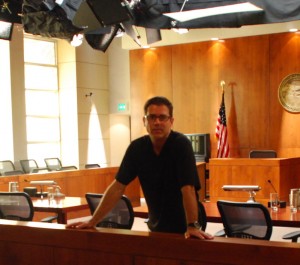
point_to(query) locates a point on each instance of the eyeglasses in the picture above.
(152, 117)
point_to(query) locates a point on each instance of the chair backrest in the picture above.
(202, 218)
(16, 206)
(28, 165)
(91, 166)
(121, 216)
(262, 154)
(245, 220)
(53, 163)
(6, 166)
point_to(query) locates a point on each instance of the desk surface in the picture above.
(60, 206)
(281, 218)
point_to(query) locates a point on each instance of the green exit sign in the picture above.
(122, 107)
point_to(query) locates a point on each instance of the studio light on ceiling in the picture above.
(6, 29)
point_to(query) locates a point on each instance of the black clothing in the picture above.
(162, 177)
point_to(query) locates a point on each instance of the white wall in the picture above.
(119, 88)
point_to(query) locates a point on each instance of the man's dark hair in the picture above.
(159, 101)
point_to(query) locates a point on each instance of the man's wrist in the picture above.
(194, 225)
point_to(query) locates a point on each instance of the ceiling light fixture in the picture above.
(77, 40)
(183, 16)
(293, 30)
(6, 29)
(180, 30)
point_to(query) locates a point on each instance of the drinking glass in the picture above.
(274, 201)
(293, 202)
(50, 194)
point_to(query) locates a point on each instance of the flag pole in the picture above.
(222, 83)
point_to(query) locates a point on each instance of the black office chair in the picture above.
(54, 164)
(121, 216)
(31, 166)
(292, 236)
(202, 217)
(16, 206)
(262, 154)
(245, 220)
(91, 166)
(7, 168)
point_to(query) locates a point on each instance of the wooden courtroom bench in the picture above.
(75, 183)
(271, 174)
(23, 243)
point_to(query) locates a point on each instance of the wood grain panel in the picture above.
(150, 75)
(77, 183)
(284, 175)
(285, 60)
(22, 243)
(196, 72)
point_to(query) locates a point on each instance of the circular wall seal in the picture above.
(289, 93)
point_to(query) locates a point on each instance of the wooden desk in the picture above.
(23, 243)
(60, 207)
(76, 183)
(284, 173)
(281, 218)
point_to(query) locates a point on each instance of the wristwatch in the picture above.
(195, 225)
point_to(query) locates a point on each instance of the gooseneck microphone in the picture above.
(272, 186)
(282, 204)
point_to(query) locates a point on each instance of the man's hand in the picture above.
(197, 233)
(80, 225)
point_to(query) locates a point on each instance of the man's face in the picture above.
(158, 122)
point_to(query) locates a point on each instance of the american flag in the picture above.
(221, 131)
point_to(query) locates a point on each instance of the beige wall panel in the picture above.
(67, 75)
(94, 151)
(93, 126)
(97, 103)
(65, 52)
(92, 76)
(119, 136)
(85, 53)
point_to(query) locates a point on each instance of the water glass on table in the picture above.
(293, 202)
(274, 201)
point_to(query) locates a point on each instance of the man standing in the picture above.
(165, 164)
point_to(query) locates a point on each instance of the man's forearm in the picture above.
(190, 203)
(111, 196)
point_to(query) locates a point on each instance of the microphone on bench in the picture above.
(282, 204)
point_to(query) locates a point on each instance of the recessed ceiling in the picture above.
(169, 37)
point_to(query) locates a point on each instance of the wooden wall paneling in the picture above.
(284, 60)
(78, 182)
(23, 242)
(150, 75)
(4, 180)
(83, 257)
(12, 253)
(252, 68)
(192, 87)
(284, 175)
(201, 166)
(245, 70)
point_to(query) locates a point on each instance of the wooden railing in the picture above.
(280, 174)
(76, 182)
(24, 243)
